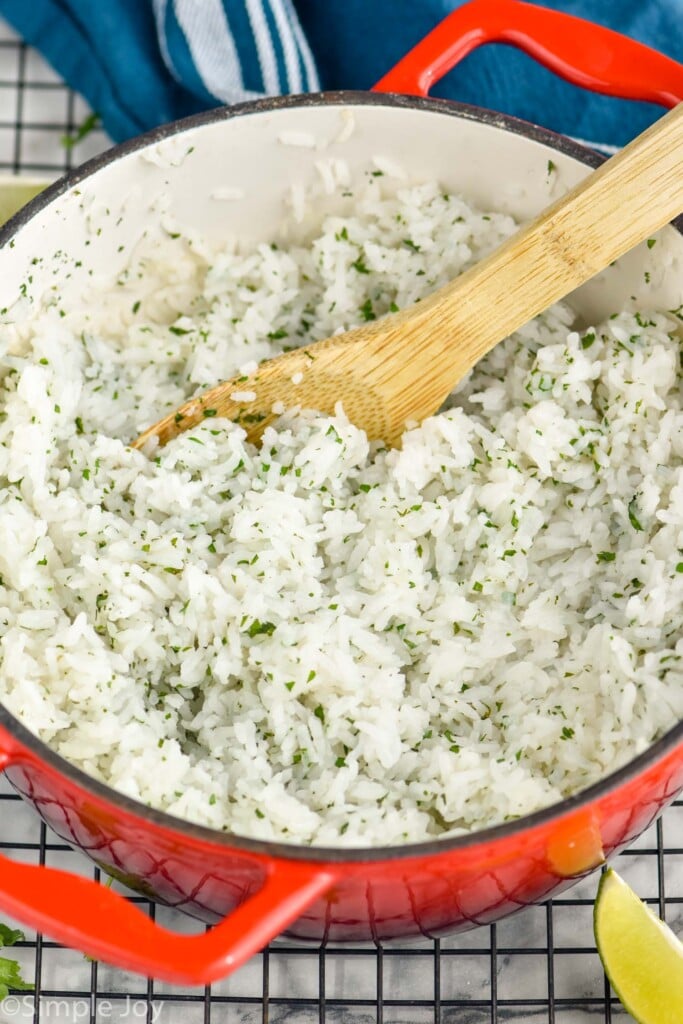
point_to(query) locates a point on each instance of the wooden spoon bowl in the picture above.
(400, 369)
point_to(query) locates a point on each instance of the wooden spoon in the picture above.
(402, 368)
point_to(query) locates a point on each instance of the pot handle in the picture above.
(88, 916)
(81, 913)
(580, 51)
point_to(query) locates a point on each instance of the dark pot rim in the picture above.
(277, 849)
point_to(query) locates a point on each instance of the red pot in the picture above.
(255, 890)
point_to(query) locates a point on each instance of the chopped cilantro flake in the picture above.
(261, 628)
(366, 310)
(632, 517)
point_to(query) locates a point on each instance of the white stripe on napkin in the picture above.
(284, 26)
(212, 46)
(217, 52)
(307, 57)
(160, 14)
(264, 45)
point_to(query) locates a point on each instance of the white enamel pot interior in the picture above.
(231, 173)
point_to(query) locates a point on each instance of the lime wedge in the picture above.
(641, 956)
(15, 192)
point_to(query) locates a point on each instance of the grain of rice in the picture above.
(227, 193)
(243, 396)
(292, 138)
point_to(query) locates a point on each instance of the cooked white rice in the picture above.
(323, 641)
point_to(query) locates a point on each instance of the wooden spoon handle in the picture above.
(402, 367)
(624, 201)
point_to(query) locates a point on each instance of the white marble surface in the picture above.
(539, 967)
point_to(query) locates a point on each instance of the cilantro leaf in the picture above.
(10, 978)
(10, 936)
(91, 122)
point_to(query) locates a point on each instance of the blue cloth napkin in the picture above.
(140, 63)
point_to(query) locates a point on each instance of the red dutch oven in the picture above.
(252, 890)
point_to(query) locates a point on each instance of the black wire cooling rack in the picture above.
(539, 967)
